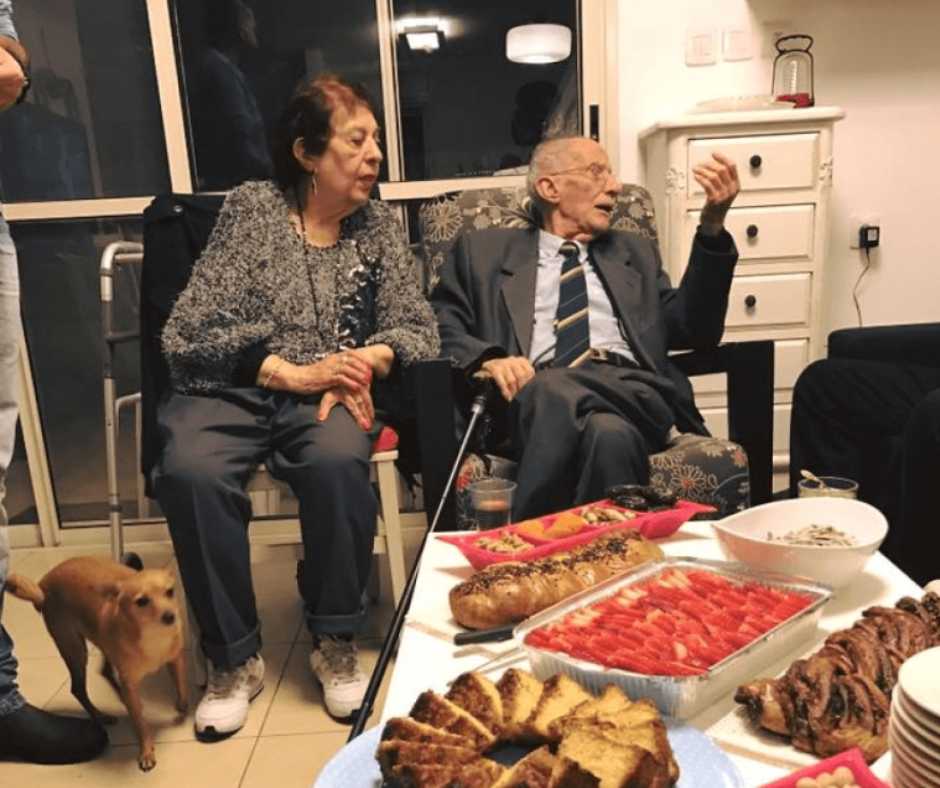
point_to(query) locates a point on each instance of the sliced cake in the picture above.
(394, 752)
(560, 695)
(520, 692)
(481, 774)
(533, 771)
(408, 729)
(614, 765)
(476, 694)
(605, 712)
(434, 710)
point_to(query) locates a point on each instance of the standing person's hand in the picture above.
(358, 403)
(12, 79)
(510, 374)
(719, 179)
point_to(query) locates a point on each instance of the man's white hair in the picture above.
(549, 156)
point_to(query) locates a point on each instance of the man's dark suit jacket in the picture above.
(485, 300)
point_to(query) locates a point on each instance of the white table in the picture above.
(428, 659)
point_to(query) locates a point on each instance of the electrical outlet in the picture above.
(856, 222)
(771, 30)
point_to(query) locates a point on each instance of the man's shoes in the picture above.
(224, 707)
(36, 736)
(335, 663)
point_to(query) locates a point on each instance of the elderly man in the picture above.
(573, 320)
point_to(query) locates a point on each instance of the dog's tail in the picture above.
(26, 589)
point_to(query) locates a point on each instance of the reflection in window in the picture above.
(19, 502)
(91, 125)
(465, 109)
(241, 60)
(61, 314)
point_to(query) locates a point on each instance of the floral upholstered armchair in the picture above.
(728, 474)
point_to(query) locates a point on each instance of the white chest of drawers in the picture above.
(779, 222)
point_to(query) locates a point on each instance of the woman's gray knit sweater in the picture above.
(258, 288)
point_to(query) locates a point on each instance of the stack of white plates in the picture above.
(914, 732)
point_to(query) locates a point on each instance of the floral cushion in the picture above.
(444, 218)
(696, 467)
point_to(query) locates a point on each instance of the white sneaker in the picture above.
(335, 663)
(224, 707)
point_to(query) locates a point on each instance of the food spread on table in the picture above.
(676, 623)
(816, 536)
(577, 739)
(508, 592)
(504, 543)
(840, 696)
(840, 778)
(642, 497)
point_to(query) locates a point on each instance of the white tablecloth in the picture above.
(428, 659)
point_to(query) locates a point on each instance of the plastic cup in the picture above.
(491, 503)
(832, 487)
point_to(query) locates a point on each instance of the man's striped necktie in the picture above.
(572, 330)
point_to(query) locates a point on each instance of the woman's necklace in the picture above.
(310, 274)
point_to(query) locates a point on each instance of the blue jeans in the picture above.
(10, 698)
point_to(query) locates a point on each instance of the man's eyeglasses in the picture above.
(599, 173)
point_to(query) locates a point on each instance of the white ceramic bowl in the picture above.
(744, 537)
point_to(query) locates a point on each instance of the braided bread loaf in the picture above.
(508, 592)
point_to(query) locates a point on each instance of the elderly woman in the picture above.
(304, 295)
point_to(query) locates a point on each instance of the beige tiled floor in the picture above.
(288, 737)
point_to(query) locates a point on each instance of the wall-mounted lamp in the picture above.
(538, 43)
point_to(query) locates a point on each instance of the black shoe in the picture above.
(36, 736)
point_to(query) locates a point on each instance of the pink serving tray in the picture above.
(653, 525)
(852, 758)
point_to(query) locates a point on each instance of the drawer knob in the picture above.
(750, 301)
(752, 231)
(756, 161)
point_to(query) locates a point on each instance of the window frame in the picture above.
(597, 31)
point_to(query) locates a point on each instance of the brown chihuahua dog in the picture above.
(133, 617)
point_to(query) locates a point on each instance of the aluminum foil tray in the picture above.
(681, 696)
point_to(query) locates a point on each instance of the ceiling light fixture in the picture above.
(538, 43)
(424, 38)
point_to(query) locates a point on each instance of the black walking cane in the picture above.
(391, 639)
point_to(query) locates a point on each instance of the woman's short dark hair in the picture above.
(307, 115)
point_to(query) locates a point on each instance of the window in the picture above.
(241, 60)
(18, 502)
(134, 98)
(61, 315)
(466, 110)
(91, 124)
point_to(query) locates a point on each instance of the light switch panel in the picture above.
(701, 47)
(737, 44)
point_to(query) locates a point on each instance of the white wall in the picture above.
(880, 62)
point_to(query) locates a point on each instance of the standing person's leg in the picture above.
(914, 540)
(10, 699)
(842, 409)
(26, 733)
(213, 445)
(327, 465)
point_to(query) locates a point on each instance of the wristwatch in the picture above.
(25, 89)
